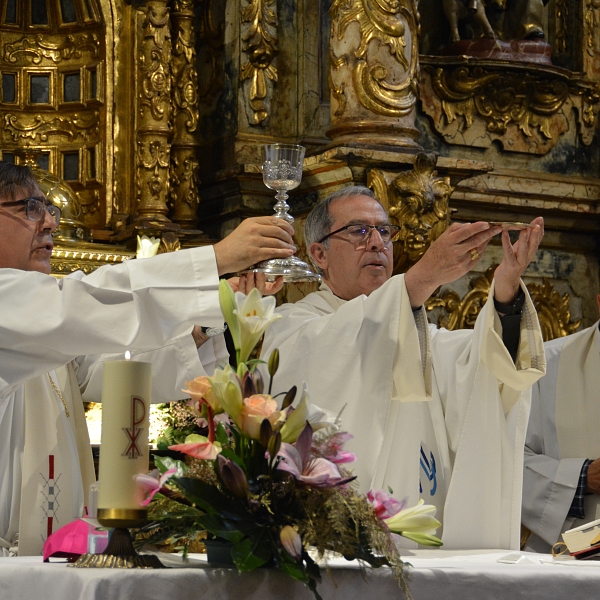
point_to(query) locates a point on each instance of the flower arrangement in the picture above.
(271, 479)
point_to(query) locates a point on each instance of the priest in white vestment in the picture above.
(438, 416)
(53, 333)
(561, 479)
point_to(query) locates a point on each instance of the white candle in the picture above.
(126, 388)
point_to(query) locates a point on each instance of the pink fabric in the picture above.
(70, 541)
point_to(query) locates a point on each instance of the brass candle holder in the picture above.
(120, 553)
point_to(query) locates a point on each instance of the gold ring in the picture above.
(474, 254)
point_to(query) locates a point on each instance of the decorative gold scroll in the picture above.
(461, 313)
(553, 311)
(42, 126)
(184, 164)
(260, 44)
(417, 201)
(36, 48)
(561, 19)
(386, 22)
(154, 102)
(500, 98)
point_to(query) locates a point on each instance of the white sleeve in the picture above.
(549, 483)
(137, 305)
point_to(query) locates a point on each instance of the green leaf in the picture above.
(221, 435)
(291, 567)
(220, 528)
(252, 553)
(164, 463)
(229, 453)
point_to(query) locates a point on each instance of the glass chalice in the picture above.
(282, 171)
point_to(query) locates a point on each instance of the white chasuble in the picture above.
(578, 405)
(562, 433)
(423, 431)
(57, 460)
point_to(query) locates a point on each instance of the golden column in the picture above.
(184, 162)
(373, 72)
(154, 102)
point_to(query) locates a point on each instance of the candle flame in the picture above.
(127, 355)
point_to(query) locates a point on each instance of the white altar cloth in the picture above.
(436, 574)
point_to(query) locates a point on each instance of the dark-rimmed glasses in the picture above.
(35, 209)
(359, 233)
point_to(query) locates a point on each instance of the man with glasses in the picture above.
(435, 415)
(52, 334)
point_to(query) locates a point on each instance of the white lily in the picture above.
(226, 389)
(417, 522)
(254, 314)
(147, 247)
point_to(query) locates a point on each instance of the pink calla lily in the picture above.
(153, 482)
(198, 446)
(385, 505)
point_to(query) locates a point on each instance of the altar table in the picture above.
(435, 575)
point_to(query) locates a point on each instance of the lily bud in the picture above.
(248, 386)
(273, 364)
(274, 446)
(266, 431)
(289, 398)
(258, 381)
(291, 541)
(233, 477)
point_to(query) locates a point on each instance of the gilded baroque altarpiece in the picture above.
(154, 112)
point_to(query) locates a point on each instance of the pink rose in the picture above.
(255, 410)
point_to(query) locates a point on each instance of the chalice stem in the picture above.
(282, 207)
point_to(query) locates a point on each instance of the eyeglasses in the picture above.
(359, 233)
(35, 209)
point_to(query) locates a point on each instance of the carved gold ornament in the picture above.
(385, 21)
(561, 18)
(553, 311)
(36, 48)
(73, 127)
(500, 98)
(417, 201)
(461, 313)
(260, 44)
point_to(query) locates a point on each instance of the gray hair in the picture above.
(15, 179)
(319, 221)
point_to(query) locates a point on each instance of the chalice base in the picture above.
(292, 269)
(119, 554)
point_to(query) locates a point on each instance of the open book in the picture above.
(583, 538)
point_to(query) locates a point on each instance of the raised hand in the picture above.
(246, 282)
(255, 239)
(516, 259)
(451, 256)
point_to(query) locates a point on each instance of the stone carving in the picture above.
(39, 47)
(23, 126)
(184, 164)
(260, 44)
(417, 201)
(553, 311)
(385, 21)
(461, 313)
